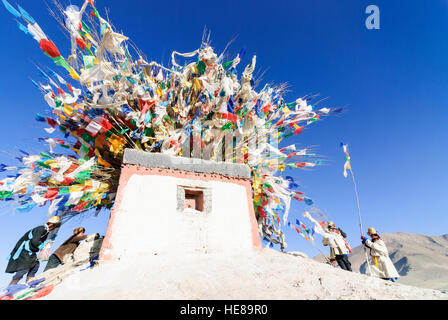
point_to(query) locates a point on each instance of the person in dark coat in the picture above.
(23, 258)
(68, 247)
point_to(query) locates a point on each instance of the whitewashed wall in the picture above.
(147, 220)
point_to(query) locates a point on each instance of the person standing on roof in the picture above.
(381, 265)
(23, 259)
(339, 248)
(67, 248)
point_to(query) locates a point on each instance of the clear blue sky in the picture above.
(393, 83)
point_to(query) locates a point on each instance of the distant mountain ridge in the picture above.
(420, 260)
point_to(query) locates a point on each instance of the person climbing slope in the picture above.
(23, 259)
(67, 248)
(381, 265)
(339, 248)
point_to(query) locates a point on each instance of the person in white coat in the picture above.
(380, 264)
(339, 248)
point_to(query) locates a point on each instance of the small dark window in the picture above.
(194, 199)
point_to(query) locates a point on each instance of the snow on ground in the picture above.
(263, 274)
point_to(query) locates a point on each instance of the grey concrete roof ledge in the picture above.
(164, 161)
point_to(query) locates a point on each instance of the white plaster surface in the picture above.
(147, 221)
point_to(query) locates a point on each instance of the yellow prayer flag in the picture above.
(88, 37)
(73, 74)
(98, 200)
(75, 188)
(51, 163)
(116, 144)
(68, 110)
(62, 117)
(88, 184)
(197, 84)
(286, 110)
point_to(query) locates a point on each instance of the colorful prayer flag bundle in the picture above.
(115, 101)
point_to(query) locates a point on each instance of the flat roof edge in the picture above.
(164, 161)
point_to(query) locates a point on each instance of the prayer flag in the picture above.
(347, 159)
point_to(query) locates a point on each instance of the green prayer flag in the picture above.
(148, 132)
(227, 64)
(89, 61)
(86, 196)
(84, 149)
(83, 175)
(64, 190)
(58, 102)
(227, 126)
(201, 67)
(60, 61)
(89, 204)
(85, 27)
(87, 137)
(5, 194)
(42, 164)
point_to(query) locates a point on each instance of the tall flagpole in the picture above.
(359, 216)
(357, 201)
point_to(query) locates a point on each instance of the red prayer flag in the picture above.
(49, 48)
(106, 125)
(231, 117)
(145, 105)
(51, 193)
(69, 87)
(80, 206)
(297, 131)
(81, 43)
(51, 122)
(67, 181)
